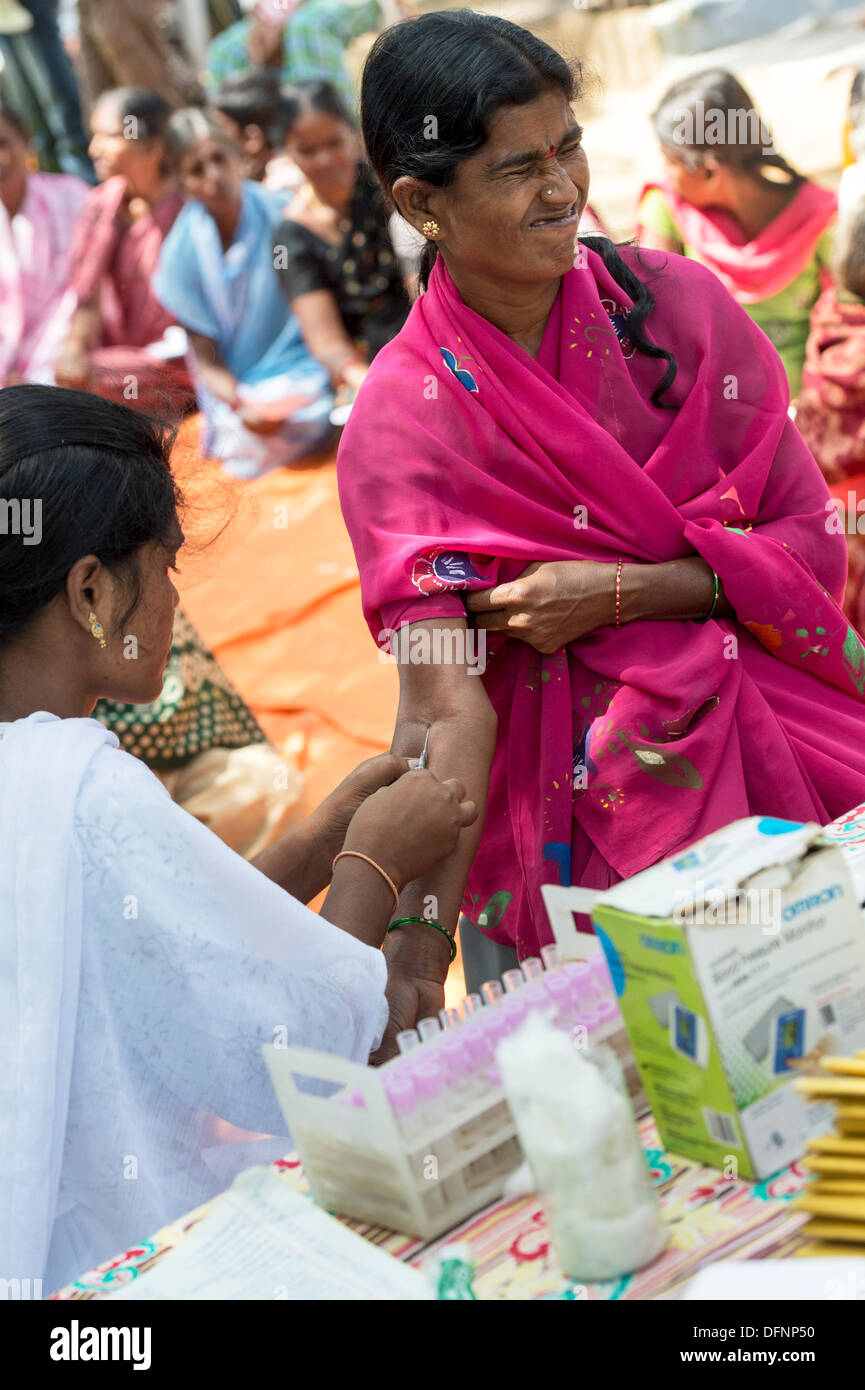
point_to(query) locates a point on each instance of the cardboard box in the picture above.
(735, 962)
(849, 832)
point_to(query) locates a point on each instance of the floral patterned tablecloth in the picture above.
(710, 1217)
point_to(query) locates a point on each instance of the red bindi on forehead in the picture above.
(551, 153)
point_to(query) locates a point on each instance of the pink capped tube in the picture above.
(477, 1045)
(514, 1011)
(428, 1028)
(402, 1098)
(550, 956)
(492, 991)
(560, 990)
(588, 1023)
(536, 997)
(470, 1004)
(495, 1026)
(579, 975)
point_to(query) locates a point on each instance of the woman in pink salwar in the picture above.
(36, 212)
(594, 464)
(729, 200)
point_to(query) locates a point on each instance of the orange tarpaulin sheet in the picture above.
(277, 598)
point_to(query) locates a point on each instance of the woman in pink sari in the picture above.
(36, 211)
(596, 461)
(122, 343)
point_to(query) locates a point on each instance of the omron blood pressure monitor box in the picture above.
(737, 963)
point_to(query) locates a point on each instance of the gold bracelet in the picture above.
(356, 854)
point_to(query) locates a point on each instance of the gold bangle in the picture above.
(356, 854)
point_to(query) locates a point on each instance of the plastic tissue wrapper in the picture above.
(579, 1136)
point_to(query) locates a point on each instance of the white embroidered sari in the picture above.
(142, 965)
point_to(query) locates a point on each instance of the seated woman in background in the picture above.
(122, 343)
(831, 408)
(248, 105)
(142, 963)
(732, 202)
(36, 211)
(334, 256)
(265, 400)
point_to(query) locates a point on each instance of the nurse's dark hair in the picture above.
(711, 113)
(430, 88)
(101, 475)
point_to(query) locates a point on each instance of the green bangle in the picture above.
(428, 922)
(711, 611)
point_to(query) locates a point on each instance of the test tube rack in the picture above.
(394, 1146)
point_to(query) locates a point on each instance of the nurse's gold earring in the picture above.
(96, 628)
(431, 229)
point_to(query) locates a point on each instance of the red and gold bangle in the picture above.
(619, 591)
(356, 854)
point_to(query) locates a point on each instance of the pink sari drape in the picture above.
(461, 442)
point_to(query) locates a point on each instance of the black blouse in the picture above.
(362, 271)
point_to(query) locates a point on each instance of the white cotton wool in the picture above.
(579, 1137)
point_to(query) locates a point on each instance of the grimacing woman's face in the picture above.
(513, 208)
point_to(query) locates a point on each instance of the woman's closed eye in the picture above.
(540, 167)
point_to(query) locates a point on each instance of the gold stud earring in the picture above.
(96, 628)
(431, 229)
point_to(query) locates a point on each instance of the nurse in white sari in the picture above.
(142, 962)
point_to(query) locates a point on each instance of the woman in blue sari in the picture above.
(265, 400)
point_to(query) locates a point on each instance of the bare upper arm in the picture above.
(320, 320)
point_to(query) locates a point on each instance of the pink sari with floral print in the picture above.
(465, 460)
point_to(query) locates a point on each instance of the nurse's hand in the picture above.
(551, 604)
(300, 861)
(332, 818)
(410, 826)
